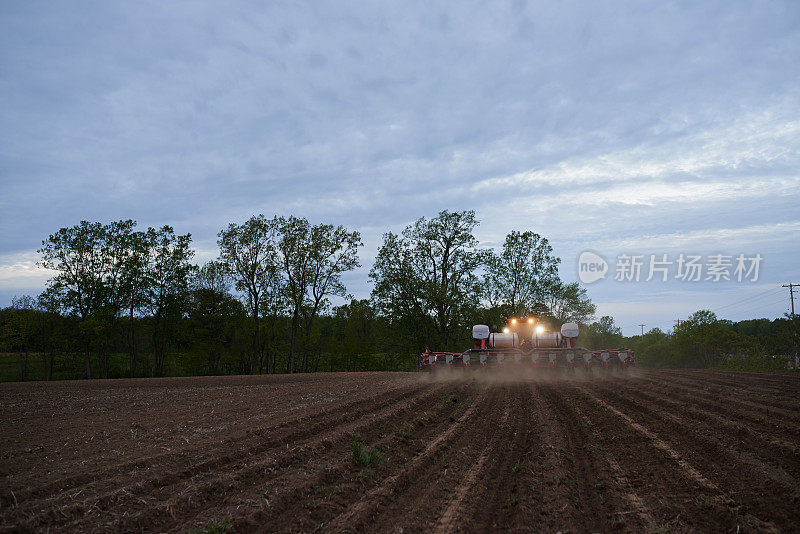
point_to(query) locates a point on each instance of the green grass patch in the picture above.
(704, 502)
(364, 456)
(218, 526)
(406, 430)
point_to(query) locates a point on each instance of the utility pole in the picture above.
(791, 287)
(642, 329)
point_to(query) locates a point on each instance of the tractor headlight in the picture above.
(539, 329)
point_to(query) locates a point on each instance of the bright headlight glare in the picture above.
(540, 329)
(505, 330)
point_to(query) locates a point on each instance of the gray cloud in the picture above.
(589, 123)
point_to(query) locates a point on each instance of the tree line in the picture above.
(264, 305)
(703, 340)
(706, 341)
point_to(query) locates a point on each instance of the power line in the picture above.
(760, 310)
(758, 304)
(759, 301)
(764, 306)
(754, 302)
(757, 296)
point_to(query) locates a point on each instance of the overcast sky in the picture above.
(617, 127)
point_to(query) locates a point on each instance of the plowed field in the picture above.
(383, 452)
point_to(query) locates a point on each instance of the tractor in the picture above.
(526, 341)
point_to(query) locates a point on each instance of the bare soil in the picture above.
(648, 451)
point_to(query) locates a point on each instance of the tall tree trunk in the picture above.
(443, 330)
(254, 357)
(23, 366)
(292, 342)
(309, 322)
(154, 365)
(162, 356)
(132, 331)
(272, 353)
(104, 359)
(88, 366)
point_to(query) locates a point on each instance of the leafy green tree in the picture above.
(77, 254)
(602, 334)
(568, 302)
(214, 314)
(249, 252)
(296, 267)
(700, 338)
(55, 331)
(274, 306)
(119, 255)
(787, 337)
(214, 276)
(399, 294)
(355, 335)
(654, 349)
(517, 279)
(313, 259)
(704, 341)
(95, 279)
(18, 331)
(134, 289)
(167, 284)
(427, 278)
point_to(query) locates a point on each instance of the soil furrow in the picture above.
(736, 381)
(678, 497)
(494, 504)
(359, 513)
(619, 478)
(105, 491)
(771, 420)
(272, 461)
(327, 487)
(432, 491)
(728, 430)
(734, 483)
(197, 453)
(508, 450)
(783, 403)
(595, 514)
